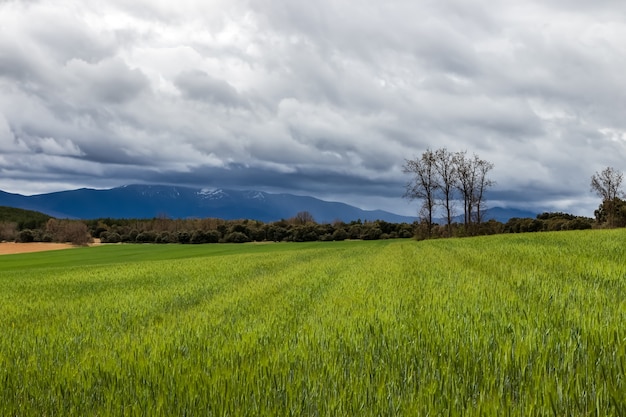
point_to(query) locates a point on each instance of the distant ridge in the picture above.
(150, 201)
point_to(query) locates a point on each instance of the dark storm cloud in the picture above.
(312, 97)
(258, 178)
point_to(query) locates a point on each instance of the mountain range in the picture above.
(149, 201)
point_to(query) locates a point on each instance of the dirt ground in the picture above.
(8, 248)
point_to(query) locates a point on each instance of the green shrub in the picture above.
(236, 237)
(25, 236)
(110, 237)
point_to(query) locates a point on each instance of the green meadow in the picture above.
(520, 325)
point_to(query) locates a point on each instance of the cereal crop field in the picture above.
(517, 325)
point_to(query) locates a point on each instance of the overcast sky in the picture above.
(324, 98)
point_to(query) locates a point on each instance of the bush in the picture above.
(145, 237)
(354, 232)
(306, 233)
(580, 224)
(276, 233)
(25, 236)
(236, 237)
(213, 236)
(326, 237)
(371, 233)
(132, 235)
(110, 237)
(164, 237)
(184, 237)
(340, 234)
(257, 234)
(198, 237)
(239, 228)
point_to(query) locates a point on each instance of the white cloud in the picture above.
(53, 146)
(8, 142)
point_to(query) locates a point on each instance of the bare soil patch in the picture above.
(9, 248)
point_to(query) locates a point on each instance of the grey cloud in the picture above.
(64, 37)
(16, 65)
(198, 85)
(9, 143)
(36, 40)
(323, 97)
(313, 181)
(110, 81)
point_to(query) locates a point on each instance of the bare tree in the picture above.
(447, 171)
(423, 185)
(73, 231)
(607, 185)
(466, 179)
(472, 183)
(438, 175)
(8, 231)
(303, 217)
(482, 183)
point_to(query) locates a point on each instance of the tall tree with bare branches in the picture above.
(424, 184)
(472, 183)
(482, 183)
(465, 185)
(447, 171)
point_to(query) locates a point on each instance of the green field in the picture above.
(531, 324)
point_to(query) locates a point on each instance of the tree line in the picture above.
(301, 228)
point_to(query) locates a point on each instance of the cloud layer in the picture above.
(325, 98)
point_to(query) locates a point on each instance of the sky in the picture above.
(325, 98)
